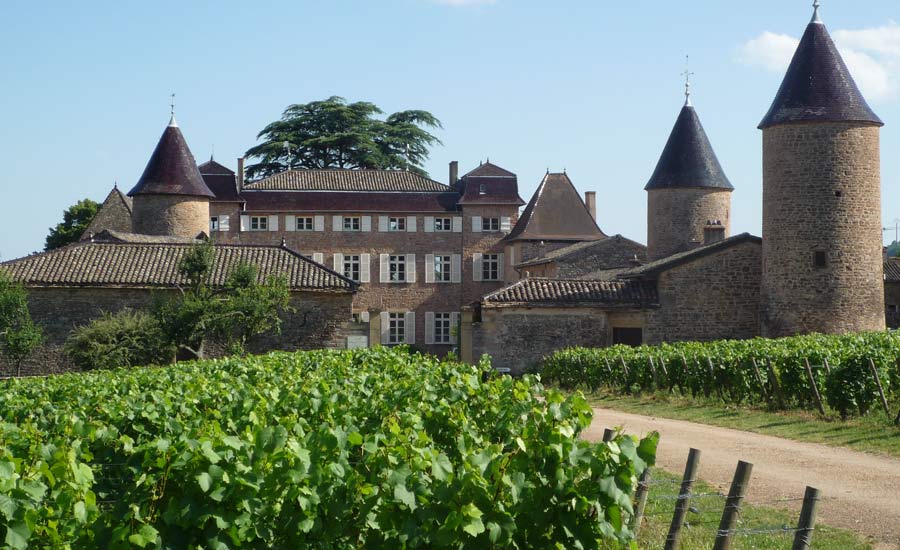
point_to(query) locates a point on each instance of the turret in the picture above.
(171, 197)
(822, 268)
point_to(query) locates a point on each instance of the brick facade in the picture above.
(676, 218)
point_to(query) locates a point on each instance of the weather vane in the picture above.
(687, 74)
(816, 18)
(172, 105)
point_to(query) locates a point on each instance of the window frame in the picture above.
(490, 265)
(352, 262)
(443, 320)
(396, 267)
(445, 275)
(490, 224)
(348, 222)
(443, 225)
(396, 328)
(304, 219)
(396, 224)
(259, 223)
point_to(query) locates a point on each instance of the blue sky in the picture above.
(589, 86)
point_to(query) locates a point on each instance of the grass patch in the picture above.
(874, 433)
(703, 521)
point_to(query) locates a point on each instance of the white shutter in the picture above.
(429, 224)
(273, 223)
(364, 316)
(364, 275)
(410, 327)
(339, 262)
(500, 266)
(476, 224)
(504, 224)
(245, 222)
(319, 223)
(512, 255)
(290, 223)
(223, 223)
(429, 273)
(383, 274)
(456, 268)
(318, 257)
(457, 224)
(383, 224)
(410, 224)
(477, 269)
(429, 327)
(366, 223)
(385, 327)
(337, 223)
(454, 327)
(410, 268)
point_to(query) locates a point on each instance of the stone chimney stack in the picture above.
(454, 173)
(590, 200)
(240, 173)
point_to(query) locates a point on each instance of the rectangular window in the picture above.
(351, 267)
(352, 223)
(397, 224)
(443, 225)
(214, 223)
(259, 223)
(305, 223)
(442, 328)
(396, 328)
(820, 259)
(397, 268)
(442, 267)
(490, 267)
(490, 225)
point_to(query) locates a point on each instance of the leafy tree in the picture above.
(75, 220)
(335, 134)
(124, 339)
(19, 336)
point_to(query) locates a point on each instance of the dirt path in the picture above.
(861, 492)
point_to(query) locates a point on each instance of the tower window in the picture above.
(838, 194)
(820, 259)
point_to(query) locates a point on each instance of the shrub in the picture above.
(124, 339)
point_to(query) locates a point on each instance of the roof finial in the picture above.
(172, 122)
(816, 18)
(687, 74)
(212, 153)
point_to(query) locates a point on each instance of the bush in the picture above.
(124, 339)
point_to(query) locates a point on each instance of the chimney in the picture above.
(240, 174)
(590, 200)
(454, 172)
(713, 232)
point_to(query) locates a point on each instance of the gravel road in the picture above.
(861, 492)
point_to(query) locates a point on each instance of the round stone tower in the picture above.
(822, 238)
(688, 196)
(171, 197)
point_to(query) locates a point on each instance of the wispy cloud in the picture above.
(873, 56)
(460, 3)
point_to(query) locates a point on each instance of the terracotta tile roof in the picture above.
(540, 292)
(892, 270)
(155, 265)
(555, 213)
(681, 258)
(171, 169)
(114, 214)
(348, 180)
(327, 201)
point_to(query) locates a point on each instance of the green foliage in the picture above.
(19, 336)
(725, 369)
(75, 220)
(335, 134)
(124, 339)
(366, 449)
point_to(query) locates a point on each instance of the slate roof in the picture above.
(171, 169)
(664, 264)
(489, 170)
(688, 159)
(892, 270)
(114, 213)
(213, 168)
(555, 213)
(596, 247)
(155, 265)
(221, 180)
(818, 86)
(541, 292)
(328, 201)
(349, 180)
(489, 184)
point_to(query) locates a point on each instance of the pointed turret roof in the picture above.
(818, 86)
(172, 169)
(688, 159)
(556, 213)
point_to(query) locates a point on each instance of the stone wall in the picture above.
(676, 218)
(177, 215)
(822, 193)
(892, 304)
(319, 321)
(710, 298)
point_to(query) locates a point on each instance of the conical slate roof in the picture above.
(818, 87)
(172, 169)
(556, 213)
(688, 159)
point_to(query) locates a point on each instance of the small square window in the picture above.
(397, 224)
(259, 223)
(820, 259)
(490, 225)
(442, 225)
(490, 267)
(352, 223)
(396, 328)
(304, 224)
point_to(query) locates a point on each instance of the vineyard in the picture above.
(365, 449)
(851, 374)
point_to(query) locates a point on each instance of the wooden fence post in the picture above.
(662, 365)
(776, 387)
(884, 403)
(625, 370)
(827, 366)
(759, 381)
(608, 435)
(733, 505)
(683, 502)
(712, 376)
(609, 370)
(815, 388)
(684, 375)
(640, 501)
(807, 523)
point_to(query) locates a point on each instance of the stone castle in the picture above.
(391, 257)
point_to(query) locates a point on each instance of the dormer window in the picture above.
(482, 189)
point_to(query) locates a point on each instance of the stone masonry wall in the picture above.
(822, 192)
(170, 215)
(711, 298)
(676, 218)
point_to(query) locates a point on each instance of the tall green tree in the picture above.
(76, 219)
(335, 134)
(19, 336)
